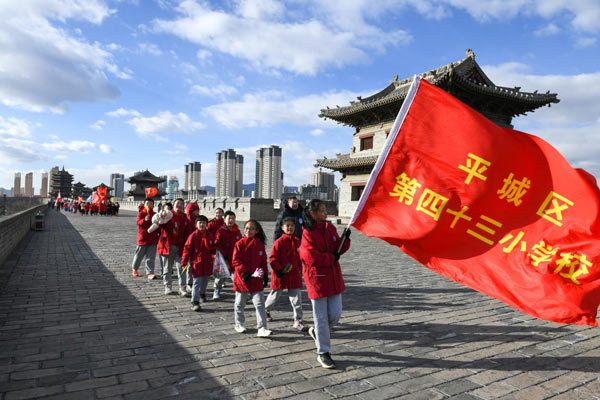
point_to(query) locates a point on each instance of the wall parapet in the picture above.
(13, 228)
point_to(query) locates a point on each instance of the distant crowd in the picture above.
(105, 207)
(306, 248)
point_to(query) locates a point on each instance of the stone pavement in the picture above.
(75, 324)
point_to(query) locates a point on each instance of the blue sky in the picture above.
(103, 86)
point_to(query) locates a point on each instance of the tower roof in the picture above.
(464, 79)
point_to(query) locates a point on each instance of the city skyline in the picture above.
(120, 86)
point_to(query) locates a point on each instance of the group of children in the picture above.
(188, 244)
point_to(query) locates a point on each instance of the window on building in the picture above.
(366, 143)
(357, 192)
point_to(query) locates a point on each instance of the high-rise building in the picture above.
(230, 174)
(29, 184)
(192, 176)
(172, 187)
(269, 179)
(44, 186)
(117, 182)
(17, 185)
(325, 179)
(162, 186)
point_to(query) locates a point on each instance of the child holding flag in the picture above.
(198, 252)
(320, 253)
(286, 272)
(250, 263)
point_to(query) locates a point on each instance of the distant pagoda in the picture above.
(80, 190)
(140, 182)
(61, 181)
(372, 117)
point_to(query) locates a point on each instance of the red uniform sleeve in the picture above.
(314, 252)
(275, 256)
(141, 220)
(188, 250)
(238, 259)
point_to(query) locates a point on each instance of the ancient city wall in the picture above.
(13, 229)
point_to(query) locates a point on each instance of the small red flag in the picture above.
(151, 192)
(492, 208)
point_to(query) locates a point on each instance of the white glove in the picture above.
(258, 273)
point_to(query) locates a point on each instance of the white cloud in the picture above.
(99, 125)
(14, 151)
(15, 127)
(121, 112)
(164, 122)
(572, 125)
(214, 91)
(61, 157)
(203, 55)
(317, 132)
(583, 42)
(255, 31)
(105, 148)
(271, 108)
(548, 30)
(44, 67)
(149, 48)
(99, 173)
(79, 146)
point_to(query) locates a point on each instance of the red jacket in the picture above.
(143, 237)
(226, 240)
(215, 224)
(198, 251)
(173, 233)
(248, 256)
(189, 210)
(286, 251)
(322, 274)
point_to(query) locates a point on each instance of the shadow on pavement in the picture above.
(70, 326)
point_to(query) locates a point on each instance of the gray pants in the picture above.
(327, 311)
(148, 251)
(168, 263)
(295, 296)
(258, 299)
(199, 287)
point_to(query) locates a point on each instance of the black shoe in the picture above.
(202, 298)
(326, 361)
(196, 306)
(269, 318)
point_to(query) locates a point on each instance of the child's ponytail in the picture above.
(307, 219)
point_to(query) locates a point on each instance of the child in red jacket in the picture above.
(225, 239)
(322, 275)
(250, 263)
(198, 252)
(146, 242)
(286, 272)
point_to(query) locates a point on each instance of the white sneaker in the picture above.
(183, 293)
(239, 328)
(168, 291)
(263, 332)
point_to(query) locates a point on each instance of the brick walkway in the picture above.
(74, 324)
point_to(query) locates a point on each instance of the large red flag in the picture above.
(495, 209)
(101, 192)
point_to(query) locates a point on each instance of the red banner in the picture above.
(101, 192)
(151, 192)
(95, 198)
(492, 208)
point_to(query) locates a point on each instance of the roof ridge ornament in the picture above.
(470, 53)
